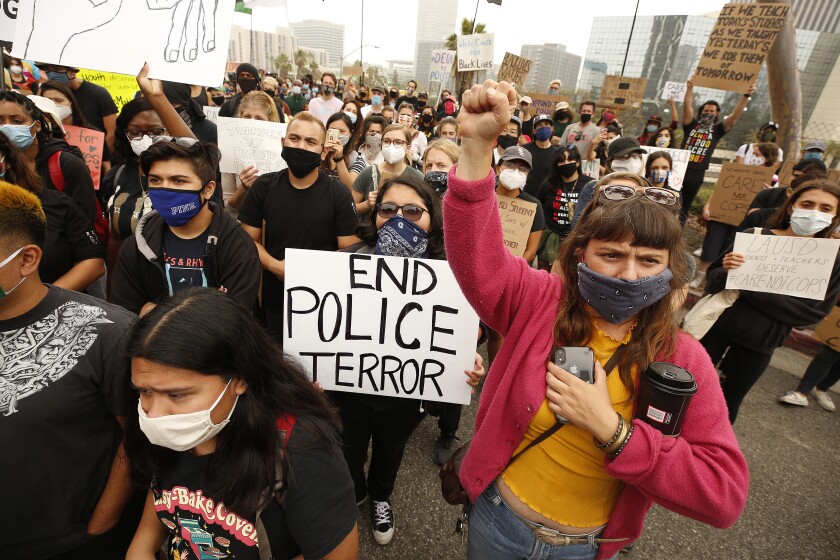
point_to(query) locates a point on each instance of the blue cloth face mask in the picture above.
(376, 100)
(651, 128)
(7, 260)
(400, 237)
(176, 207)
(60, 77)
(19, 134)
(812, 155)
(543, 133)
(617, 300)
(351, 116)
(659, 175)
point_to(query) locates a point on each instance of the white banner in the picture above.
(475, 52)
(379, 325)
(441, 65)
(245, 142)
(8, 18)
(679, 164)
(183, 41)
(781, 264)
(675, 90)
(212, 114)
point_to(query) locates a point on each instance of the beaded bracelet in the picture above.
(612, 448)
(615, 453)
(615, 436)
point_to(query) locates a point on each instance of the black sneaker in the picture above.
(444, 448)
(383, 521)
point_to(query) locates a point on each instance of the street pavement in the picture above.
(794, 503)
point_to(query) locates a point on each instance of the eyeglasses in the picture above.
(141, 133)
(388, 210)
(397, 143)
(624, 192)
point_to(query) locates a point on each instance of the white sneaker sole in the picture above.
(384, 538)
(825, 404)
(793, 402)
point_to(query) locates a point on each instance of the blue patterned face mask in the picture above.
(400, 237)
(617, 300)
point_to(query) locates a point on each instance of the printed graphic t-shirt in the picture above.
(559, 201)
(183, 260)
(700, 139)
(318, 511)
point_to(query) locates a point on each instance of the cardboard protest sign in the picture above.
(545, 104)
(351, 71)
(828, 330)
(91, 142)
(8, 18)
(735, 189)
(122, 87)
(619, 91)
(441, 66)
(517, 218)
(740, 40)
(514, 69)
(245, 142)
(786, 173)
(679, 164)
(475, 52)
(212, 114)
(785, 265)
(182, 40)
(231, 66)
(379, 325)
(675, 90)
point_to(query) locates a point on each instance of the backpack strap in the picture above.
(285, 426)
(56, 175)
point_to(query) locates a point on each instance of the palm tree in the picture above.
(283, 64)
(301, 61)
(463, 79)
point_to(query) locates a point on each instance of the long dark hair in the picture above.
(653, 156)
(643, 223)
(78, 116)
(122, 146)
(554, 177)
(367, 230)
(781, 219)
(232, 345)
(15, 169)
(651, 141)
(48, 131)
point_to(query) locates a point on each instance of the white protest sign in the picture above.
(679, 164)
(8, 17)
(183, 41)
(379, 325)
(675, 90)
(475, 52)
(245, 142)
(781, 264)
(212, 114)
(441, 65)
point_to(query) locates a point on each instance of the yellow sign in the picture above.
(122, 87)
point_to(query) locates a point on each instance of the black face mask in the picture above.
(363, 95)
(328, 90)
(421, 103)
(247, 85)
(269, 92)
(585, 118)
(393, 95)
(426, 118)
(506, 141)
(567, 169)
(218, 99)
(301, 162)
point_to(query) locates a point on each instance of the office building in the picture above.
(266, 46)
(813, 15)
(399, 72)
(549, 62)
(436, 20)
(320, 34)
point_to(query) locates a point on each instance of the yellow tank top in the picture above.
(563, 478)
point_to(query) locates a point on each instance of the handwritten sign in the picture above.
(245, 142)
(122, 87)
(785, 265)
(441, 66)
(828, 330)
(735, 189)
(212, 114)
(351, 71)
(379, 325)
(675, 90)
(679, 164)
(91, 143)
(545, 104)
(742, 37)
(619, 91)
(8, 18)
(514, 69)
(475, 52)
(231, 66)
(517, 218)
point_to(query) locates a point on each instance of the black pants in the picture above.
(741, 368)
(449, 418)
(822, 372)
(389, 428)
(692, 182)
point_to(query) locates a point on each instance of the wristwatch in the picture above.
(336, 160)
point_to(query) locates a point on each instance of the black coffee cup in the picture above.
(664, 396)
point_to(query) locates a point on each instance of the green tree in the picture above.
(302, 59)
(373, 75)
(283, 64)
(463, 80)
(395, 78)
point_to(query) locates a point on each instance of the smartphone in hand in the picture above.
(577, 360)
(333, 135)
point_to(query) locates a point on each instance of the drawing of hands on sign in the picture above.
(53, 29)
(190, 18)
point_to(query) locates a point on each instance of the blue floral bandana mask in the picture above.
(399, 237)
(617, 300)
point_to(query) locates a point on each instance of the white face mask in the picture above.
(393, 154)
(140, 145)
(809, 222)
(181, 432)
(512, 179)
(63, 111)
(630, 165)
(662, 142)
(15, 69)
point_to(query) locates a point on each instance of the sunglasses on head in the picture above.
(624, 192)
(388, 210)
(184, 142)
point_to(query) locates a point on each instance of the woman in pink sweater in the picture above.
(584, 491)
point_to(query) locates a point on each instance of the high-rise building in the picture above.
(549, 62)
(320, 34)
(267, 46)
(813, 15)
(436, 20)
(399, 72)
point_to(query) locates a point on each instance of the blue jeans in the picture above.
(496, 532)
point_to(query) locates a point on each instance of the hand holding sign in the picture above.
(485, 110)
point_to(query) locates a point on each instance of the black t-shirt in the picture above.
(406, 99)
(318, 511)
(770, 198)
(70, 237)
(311, 218)
(62, 371)
(556, 201)
(541, 168)
(96, 103)
(183, 260)
(700, 139)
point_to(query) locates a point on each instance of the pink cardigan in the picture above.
(702, 474)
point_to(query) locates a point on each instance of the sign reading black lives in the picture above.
(379, 325)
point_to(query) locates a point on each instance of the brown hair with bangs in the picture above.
(643, 223)
(781, 219)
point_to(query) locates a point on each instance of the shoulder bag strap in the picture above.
(610, 365)
(56, 175)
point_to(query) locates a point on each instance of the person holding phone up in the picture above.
(583, 491)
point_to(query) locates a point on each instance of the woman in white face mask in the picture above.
(218, 421)
(750, 330)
